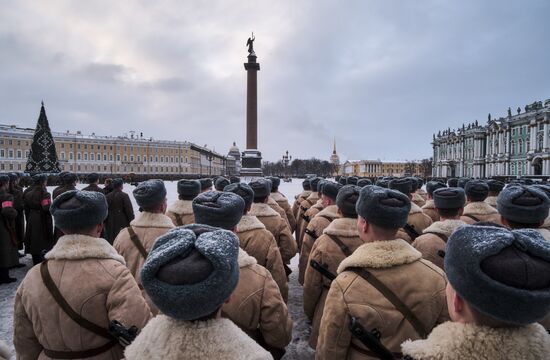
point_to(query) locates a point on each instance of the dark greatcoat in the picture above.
(121, 213)
(39, 231)
(9, 255)
(17, 193)
(57, 233)
(93, 187)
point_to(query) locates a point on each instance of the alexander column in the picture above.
(251, 157)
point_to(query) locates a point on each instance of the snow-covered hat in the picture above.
(191, 271)
(432, 186)
(501, 273)
(346, 200)
(218, 209)
(79, 210)
(477, 190)
(386, 208)
(495, 185)
(363, 182)
(449, 198)
(275, 182)
(243, 190)
(189, 189)
(149, 194)
(220, 183)
(403, 185)
(523, 204)
(331, 189)
(206, 184)
(261, 188)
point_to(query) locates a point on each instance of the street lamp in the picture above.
(209, 157)
(286, 160)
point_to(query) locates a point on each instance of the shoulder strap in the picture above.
(137, 243)
(179, 221)
(340, 244)
(324, 217)
(391, 297)
(311, 233)
(411, 231)
(441, 236)
(67, 309)
(472, 217)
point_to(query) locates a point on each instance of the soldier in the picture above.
(319, 223)
(495, 187)
(496, 293)
(181, 211)
(272, 220)
(282, 202)
(305, 205)
(363, 182)
(265, 320)
(301, 197)
(17, 192)
(257, 241)
(415, 196)
(93, 181)
(477, 209)
(135, 242)
(108, 186)
(9, 256)
(352, 180)
(449, 205)
(189, 275)
(39, 230)
(234, 179)
(462, 182)
(429, 207)
(339, 240)
(546, 189)
(384, 285)
(121, 211)
(82, 281)
(220, 183)
(68, 183)
(417, 220)
(206, 184)
(452, 182)
(420, 191)
(312, 211)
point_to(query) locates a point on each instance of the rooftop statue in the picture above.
(250, 44)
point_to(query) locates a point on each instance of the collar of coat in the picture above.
(245, 260)
(181, 207)
(452, 340)
(429, 204)
(278, 197)
(249, 222)
(77, 247)
(479, 208)
(313, 197)
(152, 220)
(330, 211)
(5, 352)
(415, 209)
(445, 227)
(304, 194)
(345, 227)
(491, 200)
(417, 197)
(271, 201)
(381, 254)
(262, 210)
(546, 224)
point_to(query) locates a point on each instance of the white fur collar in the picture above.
(479, 208)
(76, 247)
(345, 227)
(152, 220)
(249, 222)
(415, 209)
(245, 259)
(381, 254)
(262, 210)
(5, 352)
(278, 197)
(182, 207)
(330, 211)
(445, 227)
(546, 224)
(429, 204)
(492, 200)
(452, 340)
(304, 194)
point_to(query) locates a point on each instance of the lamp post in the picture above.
(209, 158)
(286, 160)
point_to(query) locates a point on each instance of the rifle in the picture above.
(369, 340)
(124, 335)
(323, 270)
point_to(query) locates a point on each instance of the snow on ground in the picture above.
(298, 348)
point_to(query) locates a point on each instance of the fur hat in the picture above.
(314, 183)
(477, 190)
(383, 183)
(343, 180)
(462, 182)
(4, 179)
(352, 180)
(523, 204)
(219, 209)
(275, 183)
(320, 185)
(220, 183)
(501, 273)
(150, 193)
(68, 178)
(449, 198)
(330, 189)
(92, 178)
(386, 208)
(39, 179)
(191, 271)
(495, 185)
(347, 200)
(206, 184)
(306, 185)
(452, 182)
(79, 210)
(431, 186)
(117, 182)
(404, 185)
(243, 190)
(189, 189)
(363, 182)
(261, 188)
(234, 179)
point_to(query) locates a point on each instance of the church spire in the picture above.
(334, 148)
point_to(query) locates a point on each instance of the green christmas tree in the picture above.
(43, 156)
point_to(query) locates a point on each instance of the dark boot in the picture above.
(37, 259)
(5, 276)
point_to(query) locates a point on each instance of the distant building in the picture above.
(334, 158)
(378, 168)
(515, 145)
(234, 160)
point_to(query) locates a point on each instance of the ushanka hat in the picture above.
(219, 209)
(150, 193)
(79, 210)
(4, 179)
(501, 273)
(191, 271)
(363, 182)
(477, 190)
(431, 186)
(220, 183)
(404, 185)
(523, 204)
(452, 182)
(206, 184)
(386, 208)
(495, 185)
(275, 183)
(330, 189)
(243, 190)
(306, 185)
(261, 188)
(189, 189)
(449, 198)
(346, 200)
(314, 182)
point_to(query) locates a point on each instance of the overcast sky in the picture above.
(380, 76)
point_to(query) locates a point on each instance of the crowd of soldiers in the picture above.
(460, 270)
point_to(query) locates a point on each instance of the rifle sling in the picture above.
(391, 297)
(472, 217)
(441, 236)
(370, 353)
(179, 220)
(341, 245)
(136, 242)
(311, 233)
(411, 231)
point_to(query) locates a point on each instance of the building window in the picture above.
(105, 157)
(70, 156)
(131, 157)
(10, 153)
(2, 153)
(85, 156)
(111, 157)
(78, 157)
(117, 157)
(19, 154)
(62, 156)
(63, 145)
(92, 156)
(125, 157)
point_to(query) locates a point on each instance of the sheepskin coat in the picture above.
(481, 211)
(165, 338)
(433, 241)
(315, 229)
(181, 212)
(304, 206)
(4, 351)
(275, 206)
(282, 201)
(417, 282)
(94, 280)
(327, 253)
(256, 305)
(8, 237)
(148, 228)
(429, 209)
(298, 201)
(492, 201)
(259, 243)
(276, 225)
(453, 340)
(418, 220)
(309, 214)
(121, 213)
(418, 200)
(39, 230)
